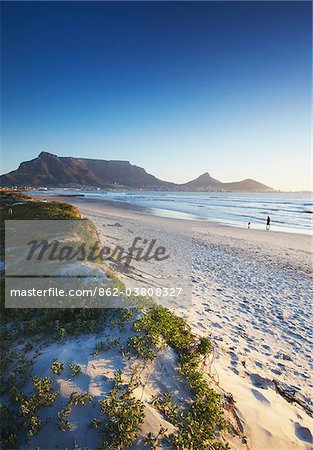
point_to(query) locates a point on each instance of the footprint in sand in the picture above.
(259, 381)
(258, 395)
(216, 325)
(303, 433)
(276, 371)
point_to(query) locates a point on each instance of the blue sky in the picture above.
(179, 88)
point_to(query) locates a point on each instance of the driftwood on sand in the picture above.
(291, 396)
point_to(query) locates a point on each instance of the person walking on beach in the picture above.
(268, 223)
(249, 224)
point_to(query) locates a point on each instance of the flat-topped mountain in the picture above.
(53, 171)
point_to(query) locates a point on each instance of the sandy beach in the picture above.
(251, 294)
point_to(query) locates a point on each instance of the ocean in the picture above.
(291, 212)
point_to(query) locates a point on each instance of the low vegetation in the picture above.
(123, 415)
(102, 346)
(9, 427)
(155, 442)
(75, 369)
(75, 399)
(43, 395)
(56, 323)
(201, 420)
(57, 367)
(62, 417)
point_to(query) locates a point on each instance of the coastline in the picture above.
(297, 241)
(234, 211)
(254, 344)
(239, 303)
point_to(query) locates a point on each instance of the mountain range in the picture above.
(48, 170)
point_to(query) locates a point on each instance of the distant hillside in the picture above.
(53, 171)
(204, 181)
(247, 185)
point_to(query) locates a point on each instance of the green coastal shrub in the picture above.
(42, 396)
(52, 323)
(75, 369)
(75, 399)
(141, 346)
(155, 442)
(57, 367)
(167, 406)
(199, 421)
(62, 421)
(80, 399)
(9, 427)
(95, 423)
(105, 346)
(123, 416)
